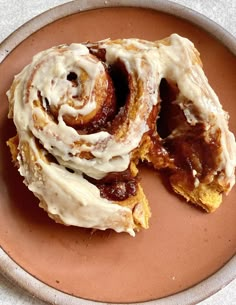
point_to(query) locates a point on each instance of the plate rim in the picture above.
(8, 267)
(191, 296)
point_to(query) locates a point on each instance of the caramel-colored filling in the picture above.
(195, 151)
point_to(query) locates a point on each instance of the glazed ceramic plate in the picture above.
(186, 254)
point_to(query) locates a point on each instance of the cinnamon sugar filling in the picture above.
(195, 151)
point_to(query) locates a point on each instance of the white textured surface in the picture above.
(14, 13)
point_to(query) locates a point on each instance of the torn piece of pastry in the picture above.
(87, 114)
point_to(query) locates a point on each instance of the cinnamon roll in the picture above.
(87, 114)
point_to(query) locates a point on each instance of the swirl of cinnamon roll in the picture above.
(58, 102)
(87, 114)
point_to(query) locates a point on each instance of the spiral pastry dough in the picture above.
(87, 114)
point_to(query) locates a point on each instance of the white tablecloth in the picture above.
(14, 13)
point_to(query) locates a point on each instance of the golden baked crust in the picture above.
(13, 143)
(207, 196)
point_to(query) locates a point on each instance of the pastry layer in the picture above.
(86, 114)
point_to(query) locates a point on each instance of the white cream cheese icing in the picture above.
(68, 195)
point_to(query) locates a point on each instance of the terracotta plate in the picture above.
(183, 246)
